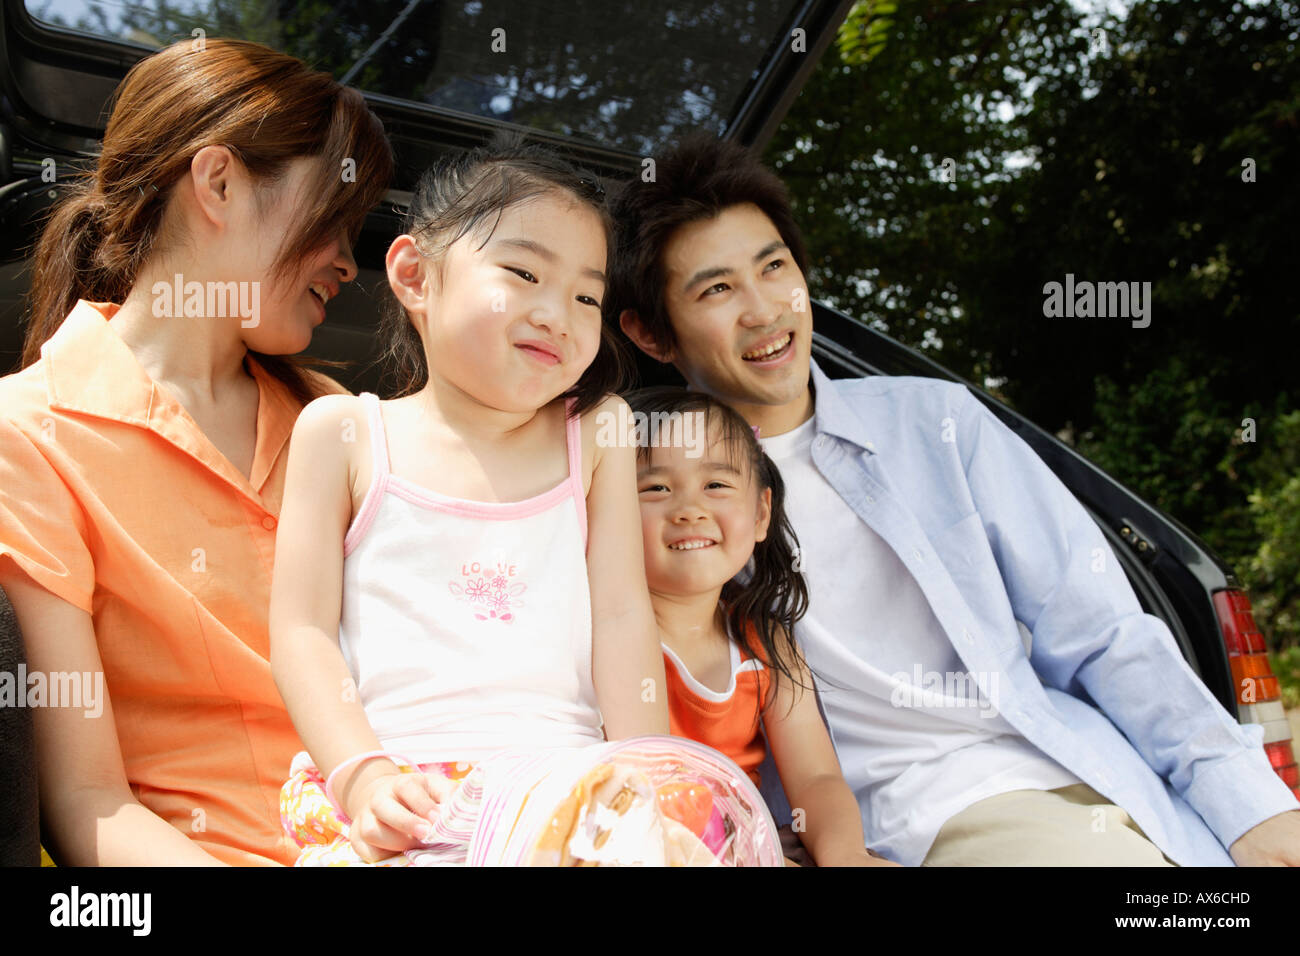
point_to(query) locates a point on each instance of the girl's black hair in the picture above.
(775, 596)
(460, 193)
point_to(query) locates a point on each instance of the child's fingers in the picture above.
(439, 787)
(792, 847)
(393, 822)
(399, 816)
(415, 792)
(367, 852)
(373, 841)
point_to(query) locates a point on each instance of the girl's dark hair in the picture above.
(462, 192)
(267, 108)
(776, 595)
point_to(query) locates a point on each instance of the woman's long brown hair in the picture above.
(268, 108)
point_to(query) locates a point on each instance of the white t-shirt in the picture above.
(916, 740)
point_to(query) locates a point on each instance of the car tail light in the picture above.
(1259, 697)
(1283, 760)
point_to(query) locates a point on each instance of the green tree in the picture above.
(1273, 572)
(1112, 156)
(1154, 146)
(897, 235)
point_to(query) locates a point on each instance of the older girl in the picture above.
(460, 619)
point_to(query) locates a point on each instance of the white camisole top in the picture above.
(467, 624)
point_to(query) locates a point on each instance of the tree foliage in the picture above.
(1273, 572)
(1154, 145)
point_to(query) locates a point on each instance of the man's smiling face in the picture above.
(741, 316)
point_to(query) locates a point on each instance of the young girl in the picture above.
(458, 600)
(711, 501)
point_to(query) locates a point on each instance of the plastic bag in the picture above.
(646, 801)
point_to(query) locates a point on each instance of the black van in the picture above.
(604, 83)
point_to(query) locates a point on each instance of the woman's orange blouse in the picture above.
(112, 499)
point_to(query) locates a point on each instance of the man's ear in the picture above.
(408, 271)
(629, 320)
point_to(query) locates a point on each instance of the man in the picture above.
(930, 534)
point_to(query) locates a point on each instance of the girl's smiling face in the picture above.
(700, 515)
(515, 320)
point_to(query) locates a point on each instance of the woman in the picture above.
(143, 446)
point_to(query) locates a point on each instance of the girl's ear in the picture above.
(409, 275)
(764, 515)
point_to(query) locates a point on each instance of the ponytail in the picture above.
(70, 264)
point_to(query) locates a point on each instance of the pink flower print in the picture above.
(500, 602)
(488, 590)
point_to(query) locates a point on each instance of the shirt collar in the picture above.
(90, 370)
(834, 415)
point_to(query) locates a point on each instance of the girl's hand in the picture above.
(396, 812)
(796, 854)
(851, 857)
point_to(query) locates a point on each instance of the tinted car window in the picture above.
(627, 77)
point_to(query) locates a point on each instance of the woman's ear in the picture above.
(629, 320)
(215, 175)
(764, 515)
(409, 275)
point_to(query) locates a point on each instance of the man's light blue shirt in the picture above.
(993, 537)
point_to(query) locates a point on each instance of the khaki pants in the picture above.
(1071, 826)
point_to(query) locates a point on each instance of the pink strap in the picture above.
(352, 762)
(378, 441)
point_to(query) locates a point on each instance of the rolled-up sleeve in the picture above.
(42, 526)
(1091, 638)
